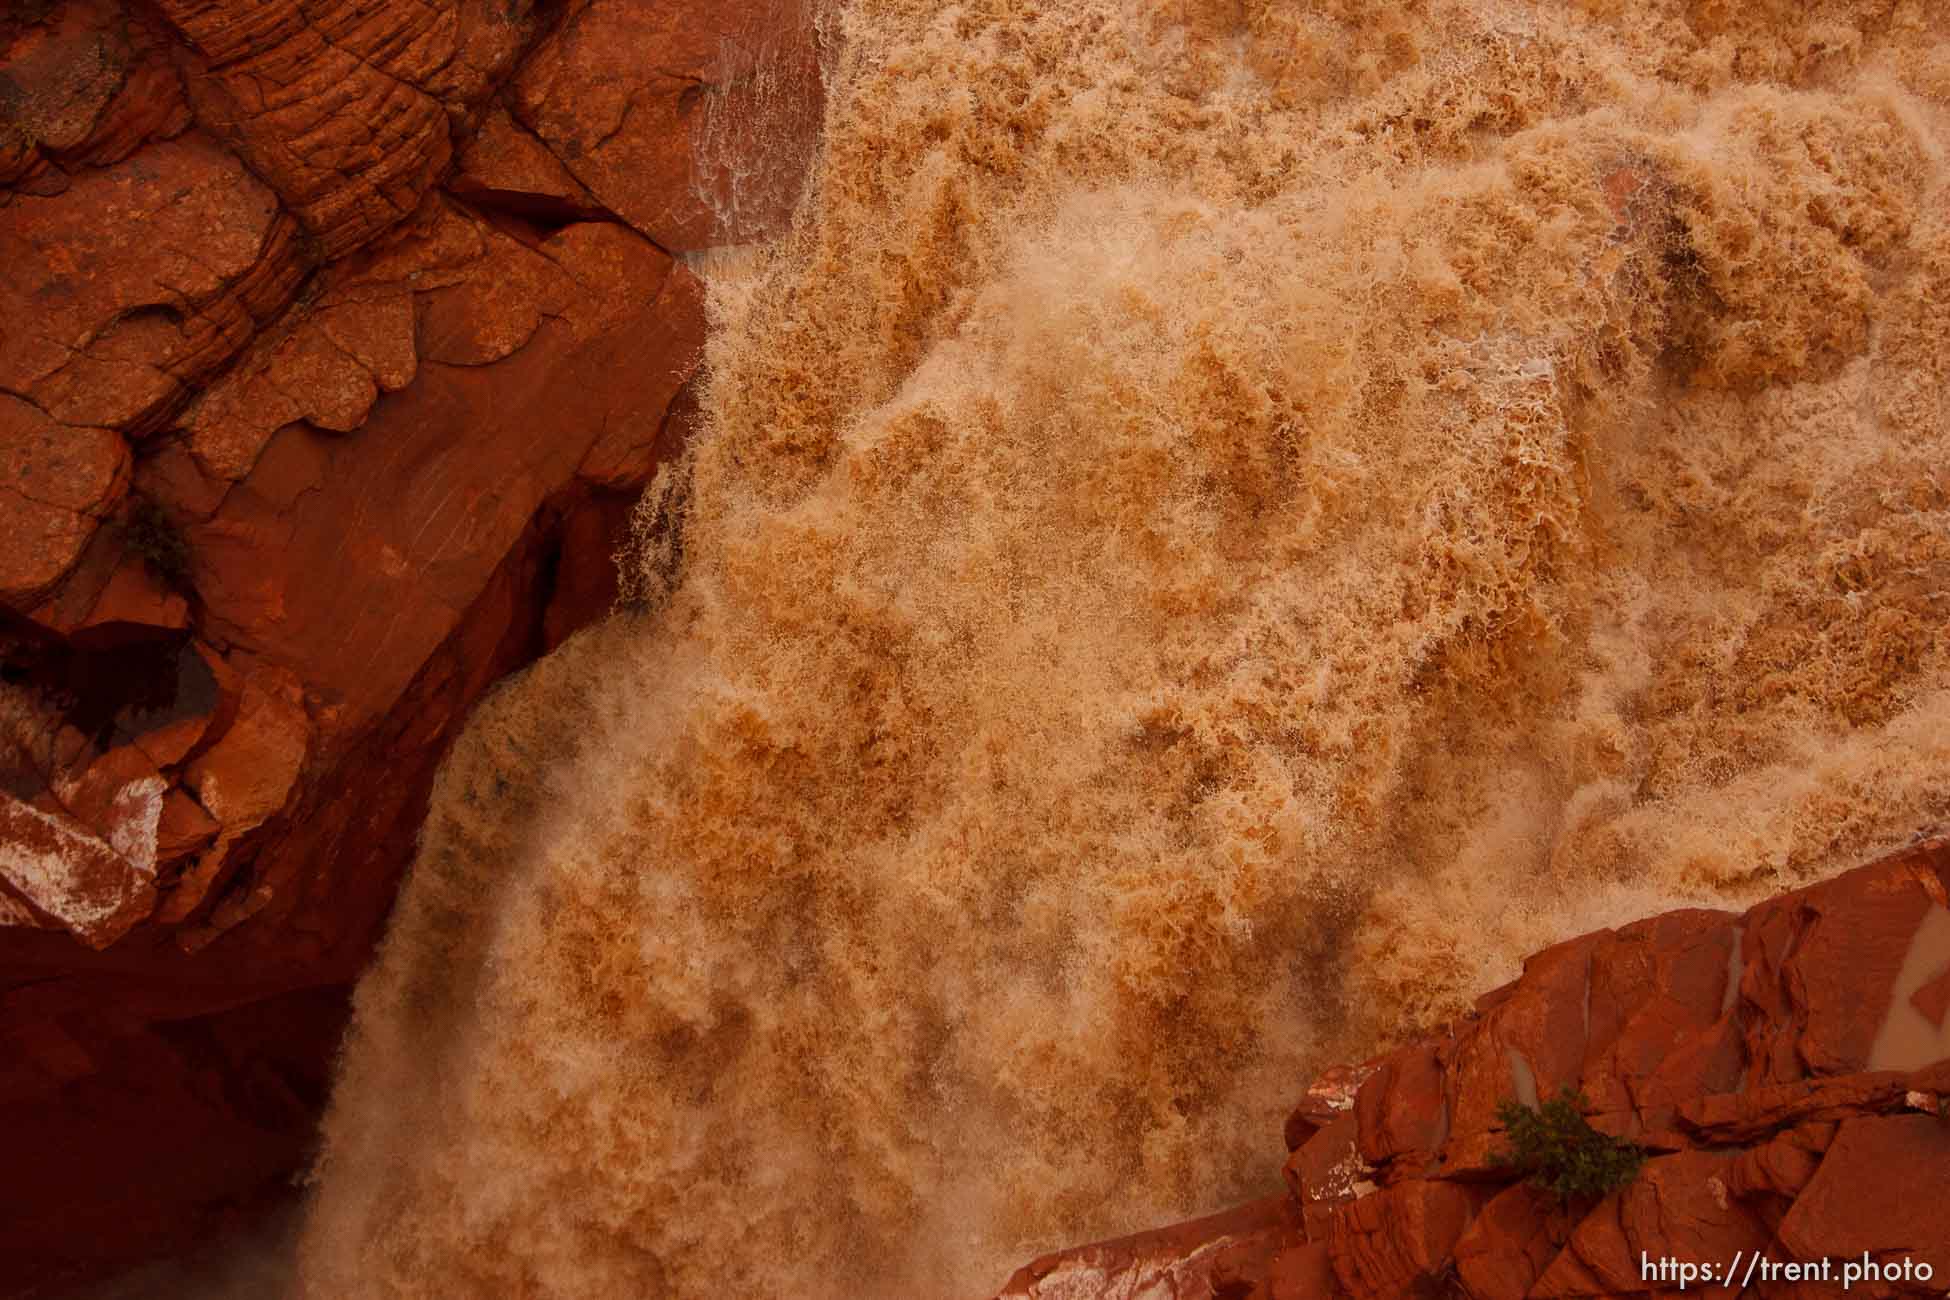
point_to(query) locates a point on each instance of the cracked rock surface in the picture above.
(337, 338)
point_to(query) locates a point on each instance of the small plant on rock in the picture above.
(153, 535)
(1561, 1153)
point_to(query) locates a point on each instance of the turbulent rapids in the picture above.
(1219, 528)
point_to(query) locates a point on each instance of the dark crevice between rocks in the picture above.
(527, 217)
(242, 1088)
(228, 890)
(110, 683)
(168, 313)
(257, 1080)
(151, 531)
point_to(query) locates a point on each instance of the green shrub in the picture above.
(1561, 1153)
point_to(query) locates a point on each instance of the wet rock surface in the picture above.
(1788, 1082)
(336, 341)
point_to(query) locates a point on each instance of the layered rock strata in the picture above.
(336, 340)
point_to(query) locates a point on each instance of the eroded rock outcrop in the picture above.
(336, 340)
(1787, 1071)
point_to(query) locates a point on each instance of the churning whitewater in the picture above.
(1221, 526)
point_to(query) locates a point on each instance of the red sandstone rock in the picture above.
(1248, 1253)
(184, 827)
(1527, 1045)
(1755, 1112)
(343, 335)
(1511, 1241)
(120, 799)
(135, 279)
(1328, 1172)
(133, 596)
(1326, 1100)
(56, 483)
(1781, 1166)
(1397, 1241)
(244, 778)
(343, 108)
(585, 567)
(633, 140)
(1719, 1038)
(1403, 1112)
(1678, 1208)
(1843, 969)
(52, 866)
(89, 86)
(1662, 1018)
(506, 166)
(1882, 1187)
(401, 523)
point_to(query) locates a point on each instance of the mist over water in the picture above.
(1220, 527)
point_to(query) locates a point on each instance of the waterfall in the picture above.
(1218, 526)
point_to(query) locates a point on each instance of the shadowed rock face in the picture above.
(336, 340)
(1787, 1070)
